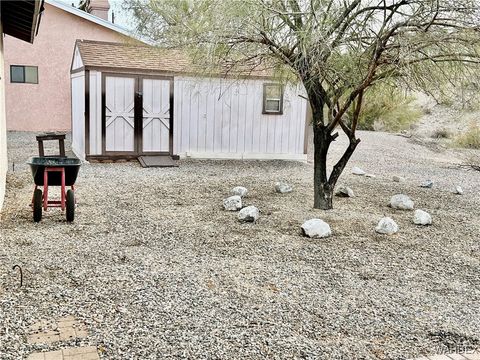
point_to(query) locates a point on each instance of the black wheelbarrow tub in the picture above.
(71, 166)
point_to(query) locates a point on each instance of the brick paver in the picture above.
(465, 356)
(72, 353)
(50, 331)
(66, 328)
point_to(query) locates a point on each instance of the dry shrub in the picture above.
(442, 134)
(427, 110)
(469, 139)
(473, 162)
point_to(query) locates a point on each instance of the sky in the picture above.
(122, 18)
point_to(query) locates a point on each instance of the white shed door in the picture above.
(156, 115)
(119, 113)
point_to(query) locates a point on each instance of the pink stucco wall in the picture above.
(3, 132)
(46, 105)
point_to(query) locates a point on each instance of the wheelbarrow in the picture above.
(54, 171)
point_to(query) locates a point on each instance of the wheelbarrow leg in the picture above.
(64, 191)
(45, 190)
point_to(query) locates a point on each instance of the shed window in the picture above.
(272, 99)
(24, 74)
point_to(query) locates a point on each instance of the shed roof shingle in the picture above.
(143, 57)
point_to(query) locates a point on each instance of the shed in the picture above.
(134, 100)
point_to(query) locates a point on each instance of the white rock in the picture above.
(344, 191)
(401, 202)
(357, 171)
(422, 218)
(282, 187)
(427, 184)
(387, 226)
(233, 203)
(370, 175)
(458, 190)
(398, 179)
(248, 214)
(316, 228)
(239, 190)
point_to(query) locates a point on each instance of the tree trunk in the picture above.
(324, 186)
(340, 165)
(323, 191)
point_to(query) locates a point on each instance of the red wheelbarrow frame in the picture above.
(54, 203)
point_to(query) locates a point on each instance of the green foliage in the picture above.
(388, 109)
(470, 139)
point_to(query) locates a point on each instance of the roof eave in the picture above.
(21, 19)
(173, 73)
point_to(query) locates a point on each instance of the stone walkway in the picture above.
(73, 353)
(63, 329)
(466, 356)
(67, 328)
(50, 331)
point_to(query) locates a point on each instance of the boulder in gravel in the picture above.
(249, 214)
(458, 190)
(357, 171)
(422, 218)
(401, 202)
(344, 191)
(428, 184)
(398, 178)
(316, 228)
(387, 226)
(232, 203)
(239, 190)
(283, 187)
(370, 175)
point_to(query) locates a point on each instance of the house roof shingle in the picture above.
(141, 57)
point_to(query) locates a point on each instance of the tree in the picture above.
(338, 49)
(84, 5)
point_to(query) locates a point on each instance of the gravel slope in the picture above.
(157, 269)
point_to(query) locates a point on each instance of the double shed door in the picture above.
(137, 116)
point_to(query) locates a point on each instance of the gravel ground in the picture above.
(157, 269)
(450, 119)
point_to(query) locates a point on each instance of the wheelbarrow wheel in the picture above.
(70, 205)
(37, 205)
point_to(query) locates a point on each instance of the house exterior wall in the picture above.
(48, 102)
(3, 131)
(218, 118)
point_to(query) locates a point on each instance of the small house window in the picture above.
(24, 74)
(272, 99)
